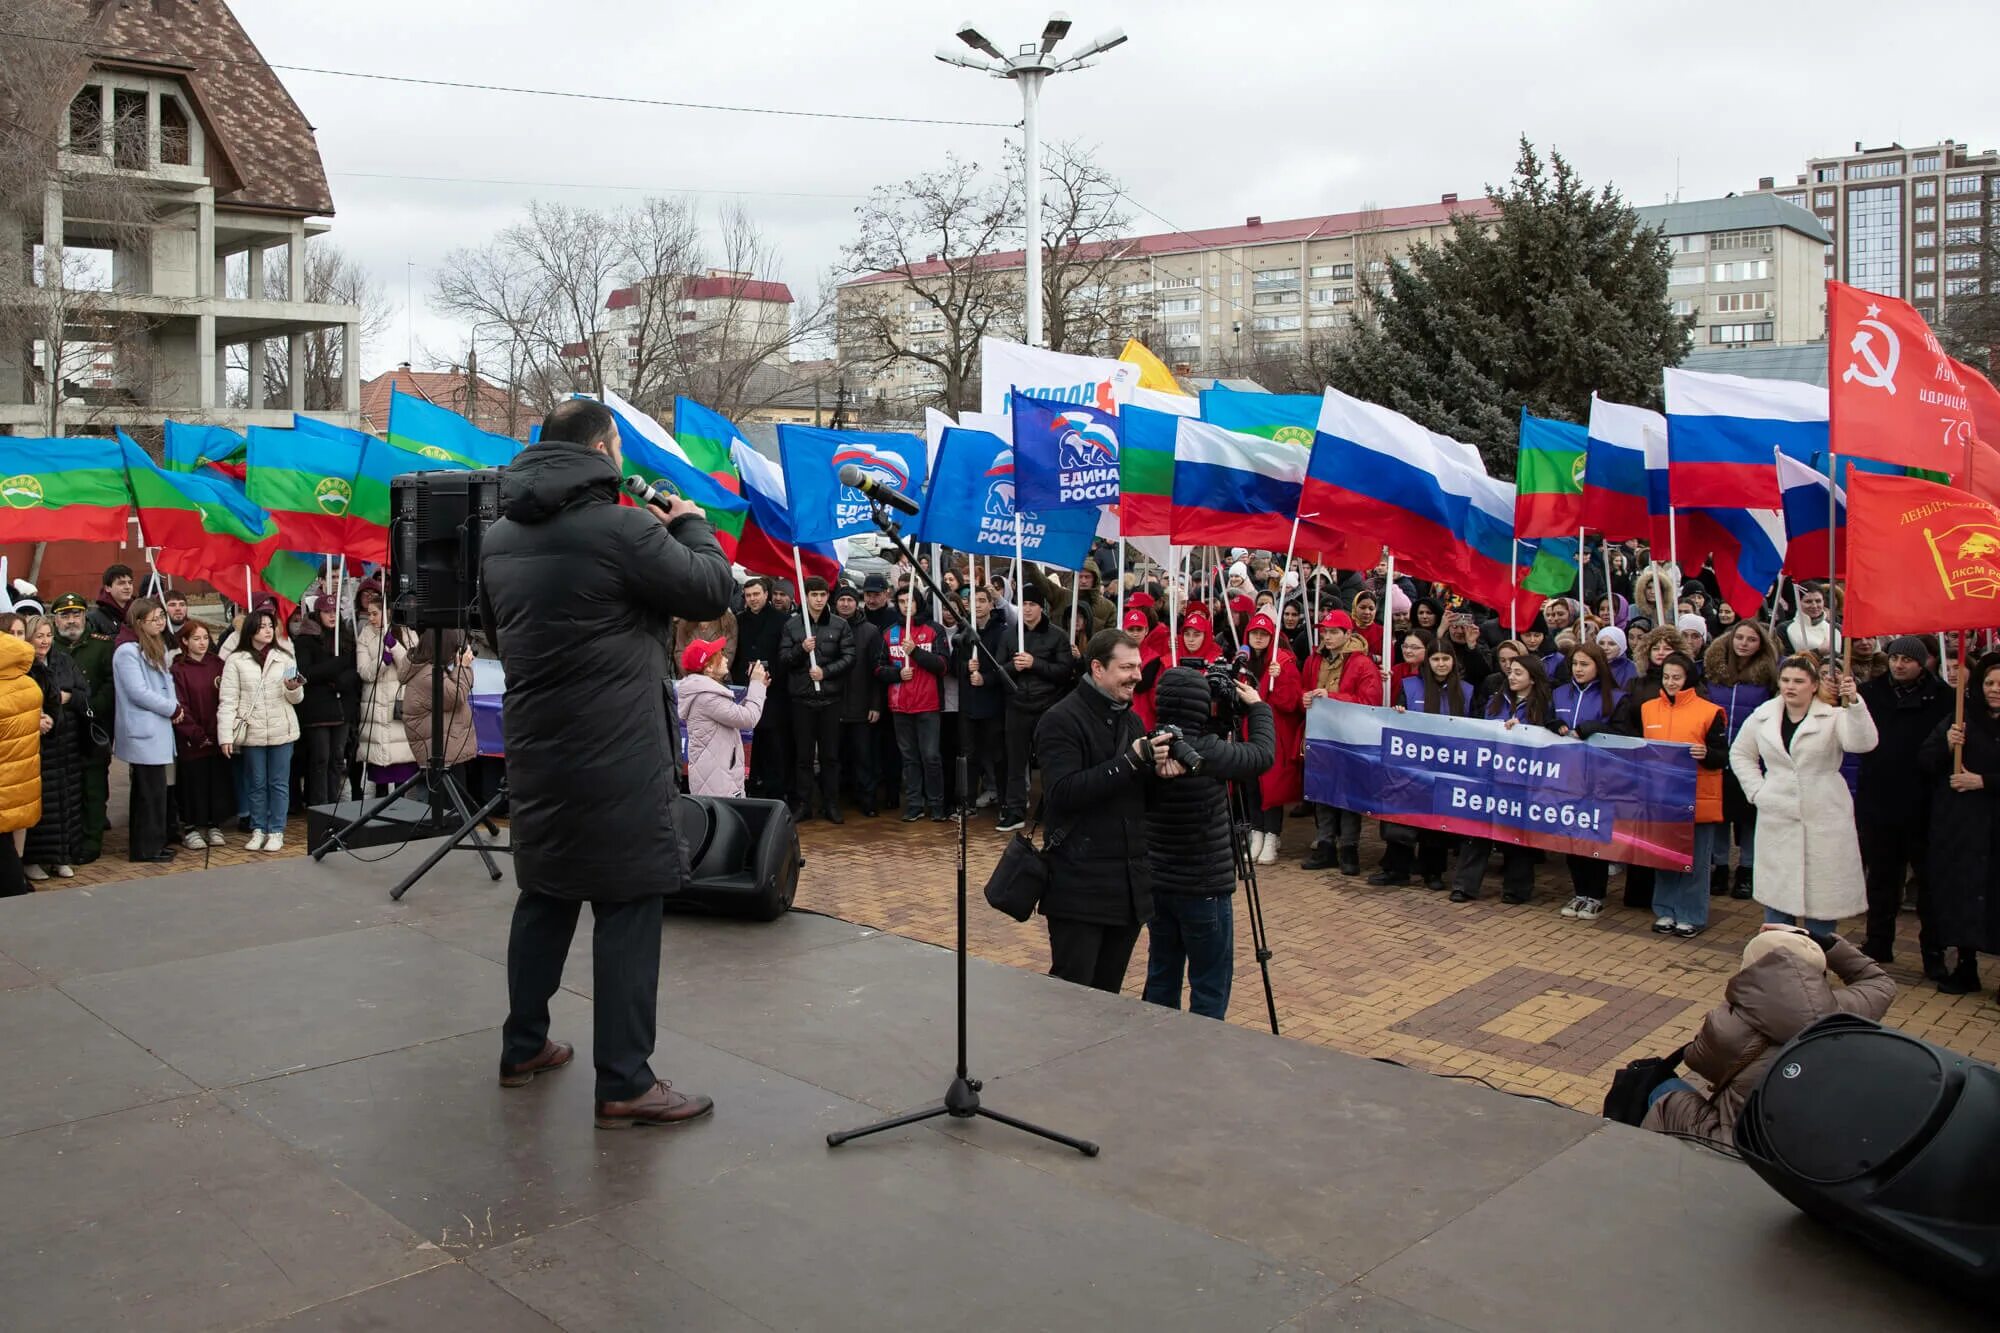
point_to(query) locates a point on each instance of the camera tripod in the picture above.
(961, 1099)
(1246, 874)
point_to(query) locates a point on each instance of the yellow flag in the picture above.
(1153, 372)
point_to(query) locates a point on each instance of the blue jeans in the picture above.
(1814, 925)
(1671, 1085)
(267, 781)
(1195, 935)
(1683, 894)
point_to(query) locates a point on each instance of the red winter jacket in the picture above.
(1359, 682)
(919, 694)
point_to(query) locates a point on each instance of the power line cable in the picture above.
(518, 90)
(591, 185)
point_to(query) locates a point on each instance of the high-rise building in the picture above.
(661, 326)
(1907, 222)
(1747, 267)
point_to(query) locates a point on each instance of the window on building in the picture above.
(1737, 303)
(1964, 210)
(1796, 198)
(1215, 330)
(1868, 171)
(1964, 235)
(1756, 239)
(1740, 333)
(86, 120)
(1742, 270)
(1332, 295)
(1925, 162)
(1271, 276)
(1821, 175)
(1924, 264)
(1994, 183)
(1925, 213)
(1924, 240)
(1275, 298)
(1683, 305)
(1961, 286)
(1926, 189)
(1274, 323)
(1962, 185)
(175, 149)
(1687, 277)
(129, 128)
(1682, 245)
(1236, 280)
(1823, 199)
(1874, 241)
(1326, 321)
(1925, 290)
(1965, 261)
(1173, 284)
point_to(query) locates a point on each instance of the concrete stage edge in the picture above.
(265, 1096)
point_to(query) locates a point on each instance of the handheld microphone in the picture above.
(850, 475)
(658, 496)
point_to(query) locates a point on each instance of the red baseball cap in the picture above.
(1337, 620)
(1140, 599)
(1135, 619)
(1262, 620)
(695, 657)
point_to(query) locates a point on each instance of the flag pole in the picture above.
(1514, 594)
(1074, 590)
(1610, 594)
(1582, 602)
(1020, 621)
(1175, 572)
(1121, 576)
(1291, 545)
(1958, 751)
(805, 623)
(1833, 532)
(247, 593)
(339, 581)
(1388, 621)
(1777, 601)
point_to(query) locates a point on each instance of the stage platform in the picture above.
(265, 1095)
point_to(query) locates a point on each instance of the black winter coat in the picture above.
(833, 644)
(1094, 811)
(982, 703)
(1049, 677)
(860, 692)
(58, 839)
(1892, 789)
(1964, 837)
(333, 686)
(1187, 818)
(758, 636)
(578, 596)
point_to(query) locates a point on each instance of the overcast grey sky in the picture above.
(1211, 112)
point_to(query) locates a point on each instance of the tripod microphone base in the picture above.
(961, 1102)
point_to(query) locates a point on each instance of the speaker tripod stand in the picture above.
(961, 1099)
(443, 792)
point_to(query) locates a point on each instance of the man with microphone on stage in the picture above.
(578, 597)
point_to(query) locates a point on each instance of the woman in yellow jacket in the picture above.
(20, 757)
(1679, 713)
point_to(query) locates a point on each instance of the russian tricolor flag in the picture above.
(1747, 547)
(1807, 515)
(1615, 476)
(1721, 430)
(1232, 489)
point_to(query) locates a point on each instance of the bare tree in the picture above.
(932, 241)
(1089, 301)
(332, 276)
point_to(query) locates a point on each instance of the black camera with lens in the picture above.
(1222, 675)
(1178, 748)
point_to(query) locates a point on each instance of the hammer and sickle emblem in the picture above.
(1881, 373)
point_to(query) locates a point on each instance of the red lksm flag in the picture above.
(1921, 557)
(1893, 394)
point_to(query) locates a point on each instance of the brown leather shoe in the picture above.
(657, 1105)
(554, 1055)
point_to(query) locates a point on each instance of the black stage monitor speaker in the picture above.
(436, 520)
(744, 856)
(1890, 1139)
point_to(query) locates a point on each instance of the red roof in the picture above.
(704, 289)
(1211, 238)
(447, 390)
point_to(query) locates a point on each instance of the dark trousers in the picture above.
(816, 737)
(986, 760)
(1889, 850)
(13, 879)
(771, 754)
(1090, 954)
(923, 762)
(207, 793)
(625, 972)
(1427, 855)
(1588, 876)
(326, 763)
(1273, 820)
(1196, 936)
(96, 800)
(860, 750)
(1639, 882)
(1020, 734)
(146, 813)
(1517, 869)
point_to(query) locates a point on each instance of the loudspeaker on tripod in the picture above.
(436, 523)
(743, 857)
(1888, 1138)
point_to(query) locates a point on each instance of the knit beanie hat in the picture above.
(1910, 646)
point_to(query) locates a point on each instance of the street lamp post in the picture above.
(1029, 67)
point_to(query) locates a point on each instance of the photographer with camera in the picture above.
(1189, 841)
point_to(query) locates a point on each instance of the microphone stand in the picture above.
(961, 1099)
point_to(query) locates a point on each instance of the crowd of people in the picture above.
(215, 723)
(1820, 765)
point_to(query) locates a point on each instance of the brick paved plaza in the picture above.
(1516, 995)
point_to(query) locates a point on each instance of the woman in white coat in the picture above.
(257, 722)
(1787, 760)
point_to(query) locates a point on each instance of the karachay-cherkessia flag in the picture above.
(1921, 557)
(709, 441)
(1548, 477)
(305, 481)
(422, 427)
(62, 490)
(200, 525)
(1893, 394)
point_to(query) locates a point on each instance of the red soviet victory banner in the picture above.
(1921, 557)
(1981, 475)
(1893, 394)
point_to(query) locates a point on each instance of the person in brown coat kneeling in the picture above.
(1782, 989)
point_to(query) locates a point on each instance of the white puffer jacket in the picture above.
(383, 741)
(260, 703)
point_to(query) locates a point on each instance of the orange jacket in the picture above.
(20, 737)
(1693, 720)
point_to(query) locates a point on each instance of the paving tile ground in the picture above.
(1516, 995)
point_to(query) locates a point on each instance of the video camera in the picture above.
(1222, 675)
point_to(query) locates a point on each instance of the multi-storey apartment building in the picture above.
(668, 322)
(1909, 222)
(133, 320)
(1207, 299)
(1747, 267)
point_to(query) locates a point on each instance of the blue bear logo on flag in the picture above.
(883, 468)
(1000, 486)
(1083, 442)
